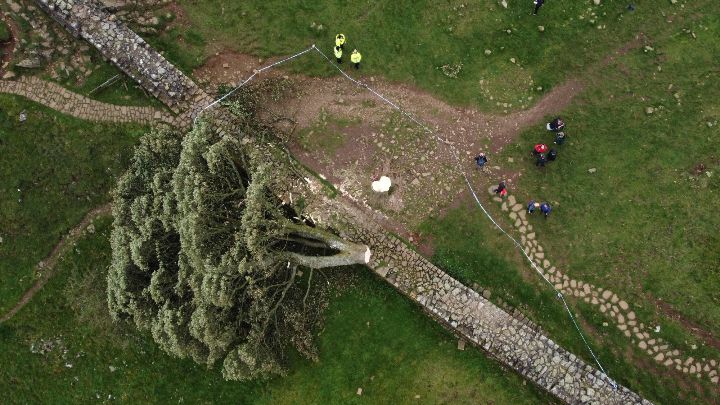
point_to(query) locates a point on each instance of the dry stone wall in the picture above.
(609, 303)
(517, 344)
(87, 19)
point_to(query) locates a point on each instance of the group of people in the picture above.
(542, 153)
(355, 56)
(544, 207)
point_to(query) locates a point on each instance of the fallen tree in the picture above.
(208, 259)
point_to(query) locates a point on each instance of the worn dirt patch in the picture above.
(47, 265)
(7, 49)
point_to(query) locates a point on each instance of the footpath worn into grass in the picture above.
(643, 222)
(373, 339)
(441, 47)
(54, 169)
(468, 248)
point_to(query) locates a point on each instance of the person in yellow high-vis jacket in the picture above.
(355, 58)
(338, 53)
(340, 40)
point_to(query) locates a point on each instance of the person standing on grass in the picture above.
(531, 206)
(541, 160)
(556, 125)
(355, 58)
(481, 160)
(560, 138)
(539, 149)
(538, 4)
(501, 189)
(338, 54)
(545, 208)
(552, 155)
(340, 40)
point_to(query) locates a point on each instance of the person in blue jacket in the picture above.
(545, 208)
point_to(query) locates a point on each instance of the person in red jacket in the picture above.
(539, 149)
(501, 189)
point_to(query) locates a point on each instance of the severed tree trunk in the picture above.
(347, 253)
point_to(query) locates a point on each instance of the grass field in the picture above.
(373, 339)
(468, 248)
(53, 170)
(423, 43)
(644, 224)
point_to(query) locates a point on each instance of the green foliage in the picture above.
(373, 338)
(205, 257)
(5, 34)
(53, 170)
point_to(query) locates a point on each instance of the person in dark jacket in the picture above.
(556, 125)
(541, 159)
(531, 206)
(560, 138)
(501, 189)
(538, 4)
(552, 155)
(481, 159)
(545, 208)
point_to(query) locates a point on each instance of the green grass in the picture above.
(5, 34)
(324, 135)
(183, 48)
(123, 91)
(644, 224)
(53, 170)
(412, 40)
(373, 338)
(468, 248)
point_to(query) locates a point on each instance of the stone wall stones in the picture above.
(515, 343)
(518, 344)
(87, 19)
(60, 99)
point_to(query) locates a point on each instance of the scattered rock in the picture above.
(488, 52)
(359, 391)
(541, 28)
(592, 170)
(649, 110)
(30, 63)
(461, 344)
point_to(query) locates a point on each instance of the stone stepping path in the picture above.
(65, 101)
(516, 343)
(610, 304)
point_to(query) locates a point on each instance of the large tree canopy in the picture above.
(208, 259)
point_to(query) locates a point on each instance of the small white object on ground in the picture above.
(359, 391)
(382, 185)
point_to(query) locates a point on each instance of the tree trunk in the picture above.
(349, 253)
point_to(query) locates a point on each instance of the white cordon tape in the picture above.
(255, 73)
(455, 154)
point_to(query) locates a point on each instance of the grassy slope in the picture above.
(410, 40)
(63, 167)
(467, 247)
(643, 225)
(373, 338)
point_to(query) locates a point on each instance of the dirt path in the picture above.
(47, 265)
(339, 97)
